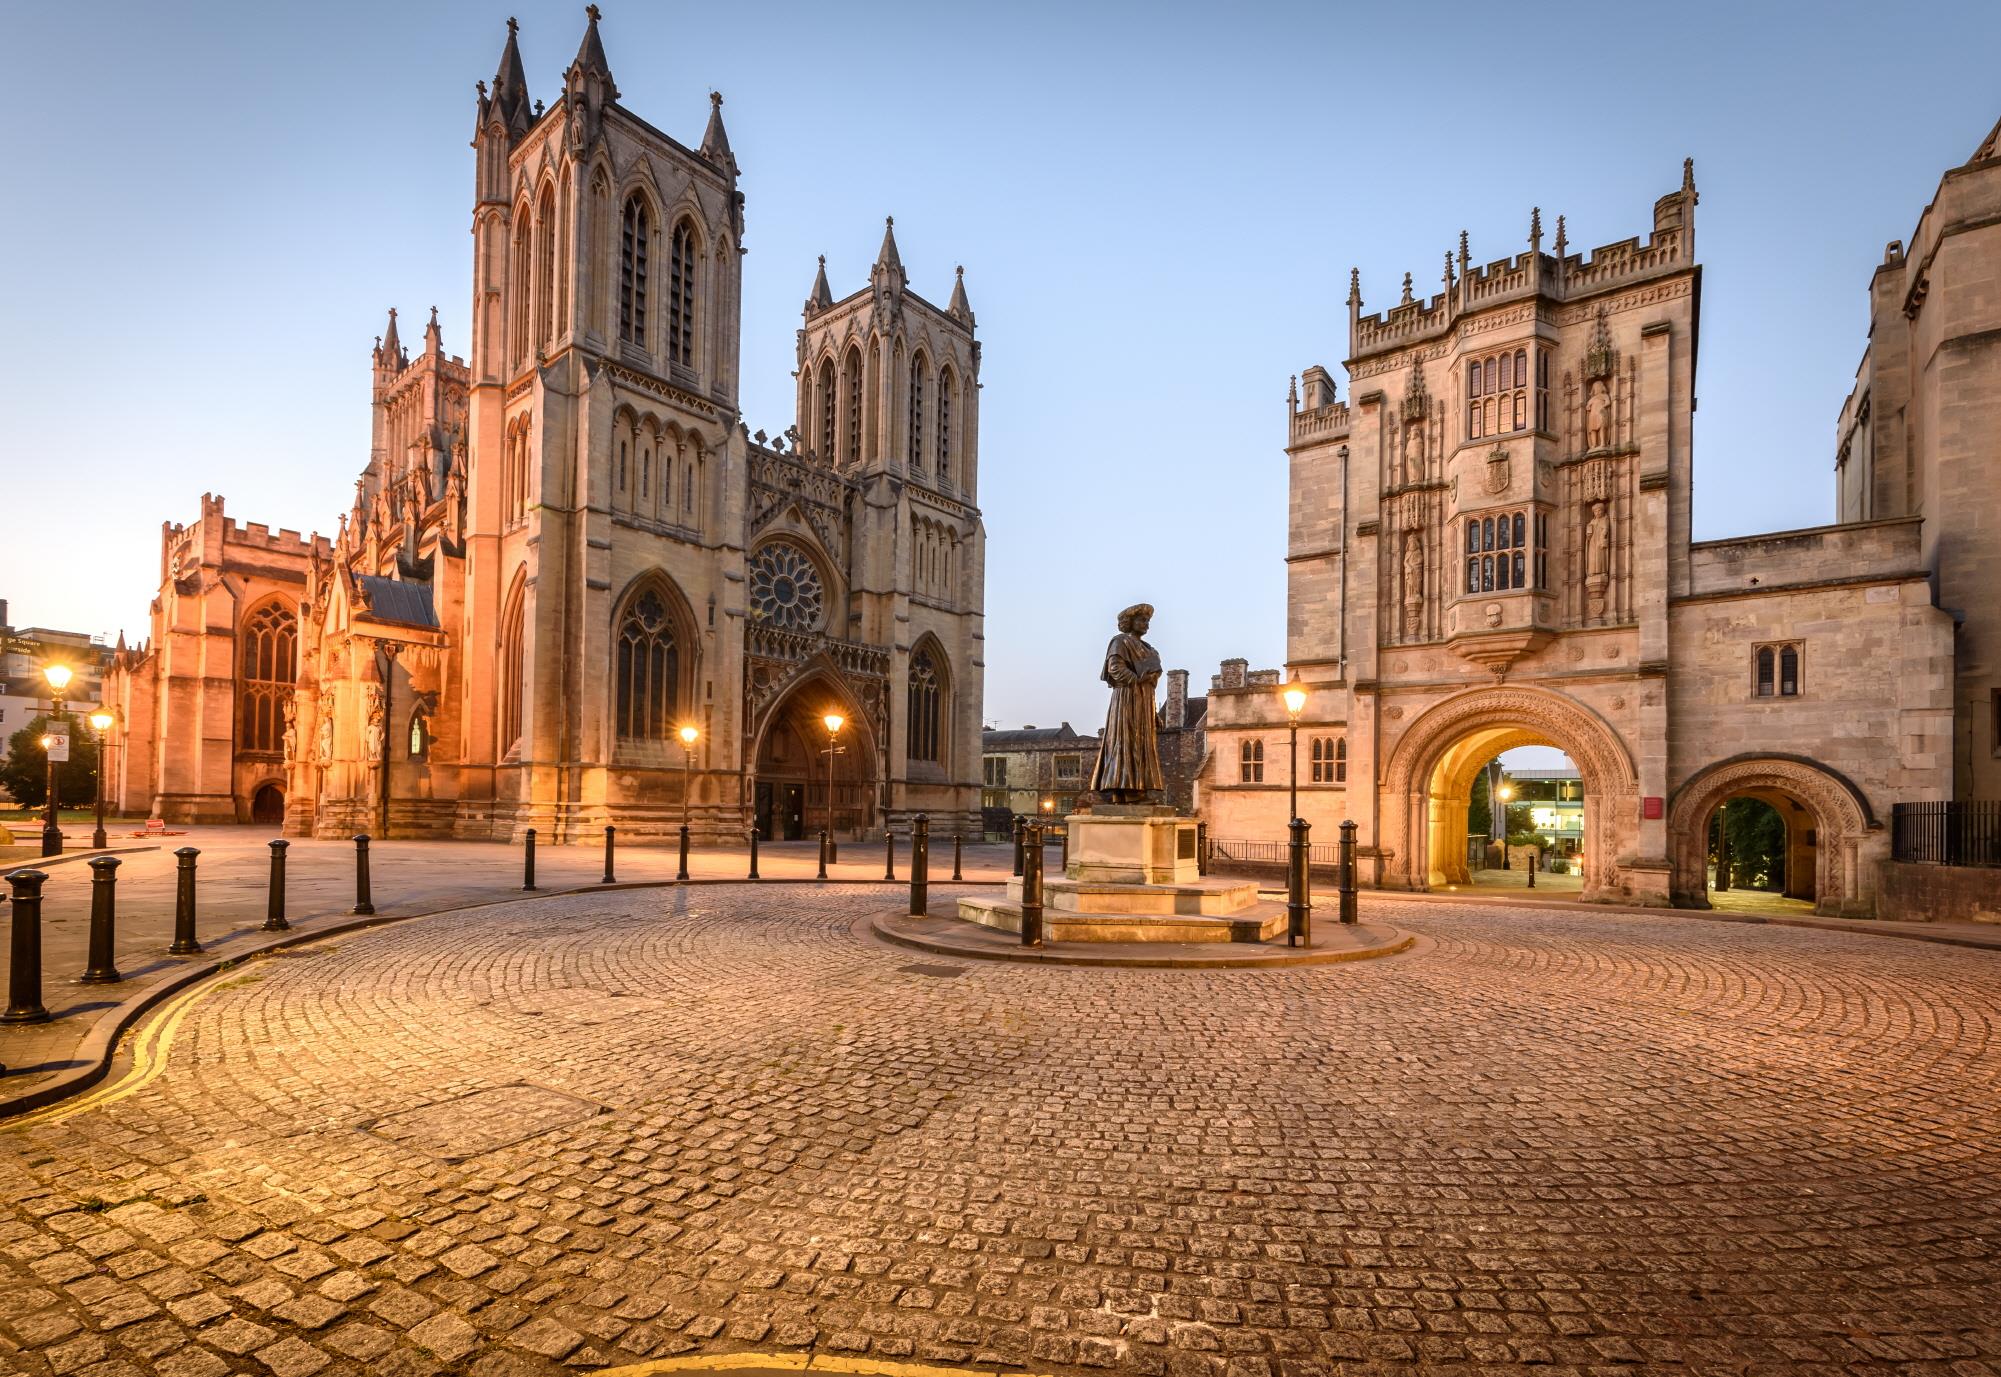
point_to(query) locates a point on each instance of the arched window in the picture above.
(1497, 393)
(513, 666)
(517, 335)
(681, 296)
(633, 247)
(269, 664)
(829, 397)
(1250, 762)
(852, 452)
(925, 701)
(545, 267)
(1765, 660)
(648, 670)
(1789, 671)
(1341, 760)
(917, 371)
(947, 385)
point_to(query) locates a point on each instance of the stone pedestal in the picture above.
(1133, 877)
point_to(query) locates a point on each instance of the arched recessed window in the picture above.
(1341, 760)
(917, 370)
(947, 386)
(545, 268)
(513, 664)
(925, 700)
(1487, 533)
(520, 278)
(634, 245)
(648, 669)
(621, 466)
(1251, 762)
(269, 665)
(1789, 671)
(1766, 659)
(852, 451)
(829, 399)
(681, 296)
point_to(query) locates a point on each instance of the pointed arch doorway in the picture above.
(791, 800)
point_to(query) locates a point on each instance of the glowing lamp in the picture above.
(57, 675)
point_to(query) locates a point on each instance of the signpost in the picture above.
(56, 739)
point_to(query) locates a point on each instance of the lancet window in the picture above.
(946, 386)
(681, 296)
(925, 701)
(269, 667)
(1330, 760)
(1776, 670)
(1251, 762)
(917, 371)
(634, 245)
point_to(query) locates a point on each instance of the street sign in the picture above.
(58, 743)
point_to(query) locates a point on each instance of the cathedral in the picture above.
(1490, 546)
(573, 588)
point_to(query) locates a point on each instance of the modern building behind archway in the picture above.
(566, 549)
(1490, 546)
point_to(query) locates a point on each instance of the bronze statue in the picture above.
(1128, 767)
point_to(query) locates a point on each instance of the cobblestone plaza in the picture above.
(603, 1129)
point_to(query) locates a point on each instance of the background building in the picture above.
(1489, 547)
(1027, 766)
(1184, 742)
(24, 692)
(568, 546)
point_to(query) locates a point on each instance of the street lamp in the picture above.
(833, 722)
(1504, 793)
(689, 735)
(1295, 702)
(102, 720)
(58, 676)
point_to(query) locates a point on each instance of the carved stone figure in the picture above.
(1128, 767)
(326, 737)
(1413, 452)
(1597, 416)
(1413, 585)
(291, 730)
(1598, 543)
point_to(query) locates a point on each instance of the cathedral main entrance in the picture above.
(791, 799)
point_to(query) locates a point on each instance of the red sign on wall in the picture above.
(1650, 807)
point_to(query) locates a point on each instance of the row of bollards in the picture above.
(1299, 884)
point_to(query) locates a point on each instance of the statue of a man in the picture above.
(1597, 417)
(1598, 543)
(1128, 767)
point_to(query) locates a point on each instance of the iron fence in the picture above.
(1967, 833)
(1271, 852)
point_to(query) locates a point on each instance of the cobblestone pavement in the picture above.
(609, 1127)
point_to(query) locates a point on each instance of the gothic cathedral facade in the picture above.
(569, 549)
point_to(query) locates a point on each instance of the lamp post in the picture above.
(688, 738)
(1295, 701)
(1504, 793)
(101, 720)
(58, 676)
(833, 721)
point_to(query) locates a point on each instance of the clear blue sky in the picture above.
(1157, 205)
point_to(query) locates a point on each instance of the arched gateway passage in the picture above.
(1429, 782)
(790, 790)
(1832, 836)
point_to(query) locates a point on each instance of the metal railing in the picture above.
(1270, 852)
(1967, 833)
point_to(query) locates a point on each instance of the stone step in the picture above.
(1206, 898)
(1258, 923)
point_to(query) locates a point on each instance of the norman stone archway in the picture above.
(1430, 774)
(1848, 838)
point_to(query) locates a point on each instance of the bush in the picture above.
(25, 772)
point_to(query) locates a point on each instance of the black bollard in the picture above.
(274, 907)
(1031, 889)
(1020, 827)
(363, 903)
(610, 850)
(753, 854)
(1063, 861)
(888, 854)
(682, 873)
(1201, 848)
(184, 905)
(1298, 891)
(920, 865)
(528, 860)
(823, 853)
(102, 967)
(24, 973)
(957, 857)
(1348, 871)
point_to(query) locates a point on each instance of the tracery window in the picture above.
(1330, 760)
(785, 588)
(1776, 670)
(946, 386)
(681, 296)
(269, 665)
(649, 669)
(1251, 762)
(917, 412)
(1497, 394)
(924, 702)
(1498, 554)
(634, 245)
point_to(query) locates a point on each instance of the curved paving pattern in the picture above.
(622, 1126)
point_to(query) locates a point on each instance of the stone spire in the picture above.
(715, 139)
(389, 348)
(1406, 291)
(1465, 256)
(1354, 286)
(887, 276)
(434, 339)
(1535, 230)
(510, 87)
(959, 308)
(1562, 239)
(588, 89)
(1688, 177)
(889, 258)
(821, 297)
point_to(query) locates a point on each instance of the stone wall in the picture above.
(1938, 893)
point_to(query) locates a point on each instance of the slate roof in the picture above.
(392, 600)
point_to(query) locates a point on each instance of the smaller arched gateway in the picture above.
(1829, 823)
(267, 805)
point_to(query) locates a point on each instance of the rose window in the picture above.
(785, 588)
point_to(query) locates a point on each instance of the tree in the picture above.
(1757, 843)
(24, 774)
(1521, 826)
(1480, 808)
